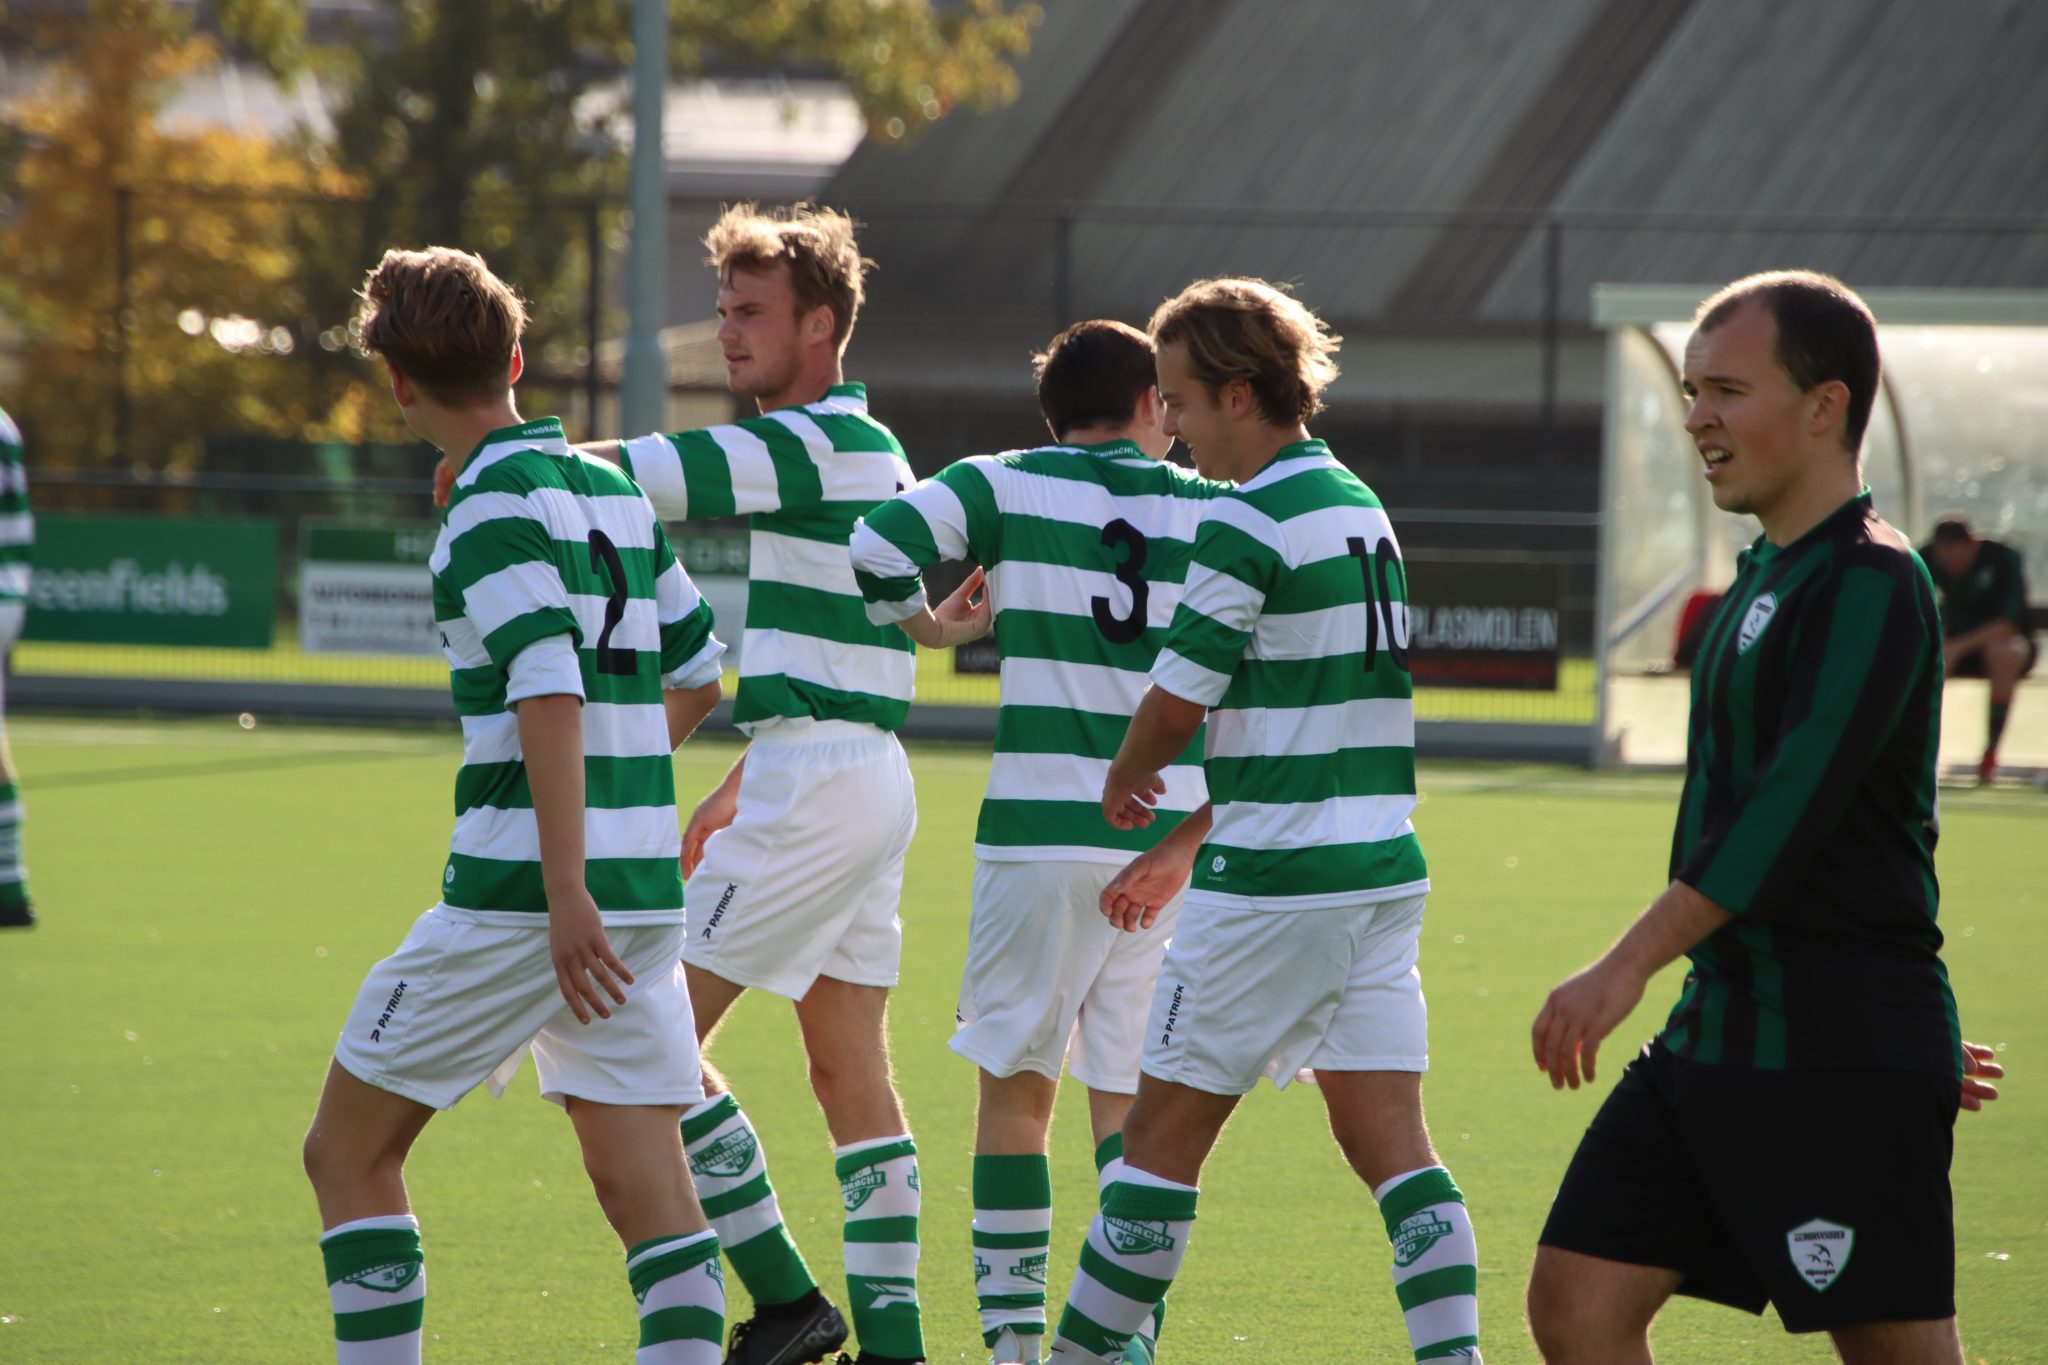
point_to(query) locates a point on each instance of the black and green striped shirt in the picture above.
(1809, 811)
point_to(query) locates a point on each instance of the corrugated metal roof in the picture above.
(1757, 108)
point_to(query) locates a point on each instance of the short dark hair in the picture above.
(1953, 529)
(1825, 333)
(1093, 374)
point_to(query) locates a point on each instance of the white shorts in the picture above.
(1250, 993)
(1048, 977)
(805, 881)
(458, 1004)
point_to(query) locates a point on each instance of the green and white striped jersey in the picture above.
(539, 542)
(17, 526)
(1293, 629)
(1085, 548)
(804, 475)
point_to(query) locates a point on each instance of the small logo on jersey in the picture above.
(1820, 1251)
(1173, 1012)
(860, 1187)
(718, 911)
(981, 1268)
(1031, 1268)
(1217, 864)
(1131, 1236)
(1760, 613)
(1417, 1234)
(728, 1156)
(888, 1295)
(385, 1279)
(390, 1008)
(448, 877)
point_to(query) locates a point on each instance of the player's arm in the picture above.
(551, 741)
(691, 656)
(1160, 732)
(950, 517)
(686, 707)
(1591, 1003)
(719, 808)
(1134, 896)
(758, 464)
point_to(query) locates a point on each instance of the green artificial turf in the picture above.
(210, 898)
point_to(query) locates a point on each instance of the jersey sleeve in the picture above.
(499, 560)
(690, 653)
(952, 515)
(1235, 563)
(759, 464)
(1861, 652)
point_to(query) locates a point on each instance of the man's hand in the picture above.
(962, 619)
(1979, 1060)
(444, 482)
(586, 968)
(713, 814)
(1581, 1013)
(1134, 896)
(1129, 805)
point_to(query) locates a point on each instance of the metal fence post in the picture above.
(1063, 267)
(123, 197)
(1553, 286)
(593, 317)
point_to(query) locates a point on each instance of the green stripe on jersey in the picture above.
(539, 541)
(1287, 627)
(808, 472)
(1068, 535)
(17, 526)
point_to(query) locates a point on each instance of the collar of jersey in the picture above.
(855, 395)
(1310, 450)
(1121, 449)
(542, 433)
(1762, 551)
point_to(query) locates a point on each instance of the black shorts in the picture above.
(1823, 1192)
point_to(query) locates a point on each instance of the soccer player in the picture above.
(1297, 946)
(1786, 1137)
(581, 656)
(1084, 544)
(795, 860)
(1987, 629)
(17, 534)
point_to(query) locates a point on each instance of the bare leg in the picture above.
(845, 1031)
(634, 1156)
(711, 996)
(355, 1151)
(1171, 1128)
(1106, 1113)
(1014, 1115)
(1900, 1343)
(1376, 1117)
(1585, 1310)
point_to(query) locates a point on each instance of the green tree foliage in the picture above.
(486, 124)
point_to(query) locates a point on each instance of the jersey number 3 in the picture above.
(605, 555)
(1130, 571)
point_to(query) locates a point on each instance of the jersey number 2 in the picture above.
(1131, 573)
(1375, 565)
(605, 555)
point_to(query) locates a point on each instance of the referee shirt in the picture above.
(1809, 811)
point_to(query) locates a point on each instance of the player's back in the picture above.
(17, 525)
(540, 541)
(1085, 548)
(1311, 750)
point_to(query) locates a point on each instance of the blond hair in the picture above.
(1258, 332)
(825, 264)
(441, 318)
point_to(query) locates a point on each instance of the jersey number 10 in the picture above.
(1376, 565)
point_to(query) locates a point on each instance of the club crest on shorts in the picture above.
(728, 1156)
(1820, 1251)
(1131, 1236)
(860, 1186)
(1418, 1232)
(385, 1279)
(1760, 613)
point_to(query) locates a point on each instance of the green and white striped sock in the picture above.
(878, 1179)
(681, 1294)
(377, 1282)
(1012, 1244)
(1110, 1152)
(1436, 1263)
(732, 1182)
(1132, 1253)
(13, 876)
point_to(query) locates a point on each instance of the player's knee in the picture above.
(1562, 1318)
(331, 1164)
